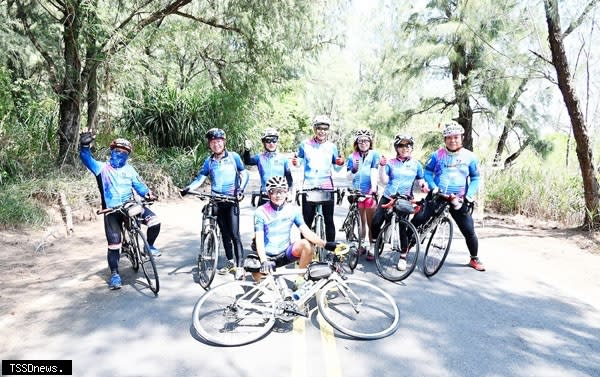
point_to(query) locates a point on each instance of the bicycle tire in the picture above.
(319, 229)
(438, 247)
(130, 253)
(147, 262)
(378, 316)
(208, 257)
(221, 316)
(353, 235)
(387, 250)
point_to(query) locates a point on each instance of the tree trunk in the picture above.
(583, 150)
(71, 88)
(460, 80)
(510, 114)
(511, 159)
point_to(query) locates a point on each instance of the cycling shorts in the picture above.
(367, 203)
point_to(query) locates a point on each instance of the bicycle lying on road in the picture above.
(208, 255)
(134, 244)
(241, 312)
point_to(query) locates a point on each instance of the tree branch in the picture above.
(211, 22)
(576, 22)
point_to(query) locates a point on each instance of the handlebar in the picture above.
(258, 194)
(142, 202)
(212, 196)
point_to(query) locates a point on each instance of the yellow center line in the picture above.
(299, 348)
(332, 362)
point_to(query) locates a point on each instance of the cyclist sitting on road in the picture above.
(319, 156)
(272, 226)
(362, 170)
(454, 170)
(228, 176)
(116, 179)
(399, 175)
(270, 163)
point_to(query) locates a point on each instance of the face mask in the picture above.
(118, 159)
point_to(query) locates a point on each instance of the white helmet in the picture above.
(451, 129)
(321, 120)
(398, 139)
(363, 133)
(269, 132)
(276, 182)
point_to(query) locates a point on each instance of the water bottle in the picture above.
(300, 292)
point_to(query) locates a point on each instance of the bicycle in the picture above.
(208, 255)
(318, 196)
(132, 237)
(439, 228)
(398, 238)
(352, 224)
(240, 312)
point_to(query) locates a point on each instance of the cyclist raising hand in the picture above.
(116, 179)
(362, 170)
(319, 157)
(228, 176)
(399, 175)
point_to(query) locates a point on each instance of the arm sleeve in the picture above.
(249, 160)
(429, 168)
(288, 174)
(244, 176)
(139, 186)
(85, 154)
(474, 176)
(334, 156)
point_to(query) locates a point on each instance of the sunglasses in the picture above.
(404, 146)
(322, 128)
(270, 140)
(277, 192)
(363, 141)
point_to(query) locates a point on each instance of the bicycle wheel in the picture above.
(129, 252)
(319, 229)
(208, 258)
(353, 236)
(438, 247)
(359, 309)
(146, 261)
(234, 313)
(389, 247)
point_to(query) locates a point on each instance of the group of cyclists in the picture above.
(451, 170)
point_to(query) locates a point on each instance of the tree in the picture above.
(90, 32)
(563, 74)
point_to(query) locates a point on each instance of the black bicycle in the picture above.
(318, 196)
(439, 228)
(398, 244)
(208, 255)
(352, 224)
(134, 244)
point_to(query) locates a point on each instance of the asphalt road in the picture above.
(522, 317)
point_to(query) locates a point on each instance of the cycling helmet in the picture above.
(215, 133)
(276, 182)
(400, 137)
(321, 120)
(363, 133)
(451, 129)
(121, 143)
(269, 132)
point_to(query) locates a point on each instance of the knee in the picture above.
(302, 246)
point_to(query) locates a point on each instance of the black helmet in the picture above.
(215, 133)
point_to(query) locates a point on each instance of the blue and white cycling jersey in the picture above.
(453, 172)
(319, 159)
(228, 176)
(402, 175)
(270, 164)
(362, 178)
(114, 184)
(277, 225)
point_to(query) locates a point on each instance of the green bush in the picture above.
(18, 209)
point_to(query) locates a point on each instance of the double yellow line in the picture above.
(299, 359)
